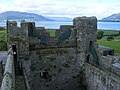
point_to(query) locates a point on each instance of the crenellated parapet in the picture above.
(81, 35)
(39, 37)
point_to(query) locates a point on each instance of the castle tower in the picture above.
(18, 37)
(11, 25)
(86, 28)
(28, 26)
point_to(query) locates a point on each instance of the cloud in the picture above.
(71, 8)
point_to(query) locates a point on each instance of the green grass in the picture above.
(112, 44)
(3, 40)
(52, 32)
(109, 32)
(117, 37)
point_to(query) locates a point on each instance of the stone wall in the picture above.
(8, 82)
(109, 63)
(101, 79)
(53, 69)
(86, 28)
(64, 37)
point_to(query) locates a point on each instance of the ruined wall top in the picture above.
(66, 36)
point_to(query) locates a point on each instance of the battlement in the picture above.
(39, 37)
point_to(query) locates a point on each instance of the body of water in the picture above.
(109, 25)
(56, 25)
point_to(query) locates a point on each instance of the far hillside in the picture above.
(112, 18)
(16, 15)
(19, 16)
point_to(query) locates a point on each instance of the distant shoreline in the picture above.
(56, 24)
(56, 21)
(107, 30)
(106, 21)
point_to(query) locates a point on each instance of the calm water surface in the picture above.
(56, 25)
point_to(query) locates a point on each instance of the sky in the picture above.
(63, 8)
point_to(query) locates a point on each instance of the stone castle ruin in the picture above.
(71, 60)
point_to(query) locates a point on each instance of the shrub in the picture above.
(109, 38)
(100, 34)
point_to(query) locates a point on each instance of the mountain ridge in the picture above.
(19, 16)
(16, 15)
(112, 18)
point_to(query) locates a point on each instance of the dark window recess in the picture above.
(44, 75)
(14, 52)
(16, 64)
(84, 87)
(111, 52)
(88, 57)
(105, 53)
(30, 29)
(91, 42)
(55, 66)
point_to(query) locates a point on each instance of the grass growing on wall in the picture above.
(112, 44)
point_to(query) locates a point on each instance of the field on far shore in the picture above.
(109, 32)
(111, 44)
(115, 44)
